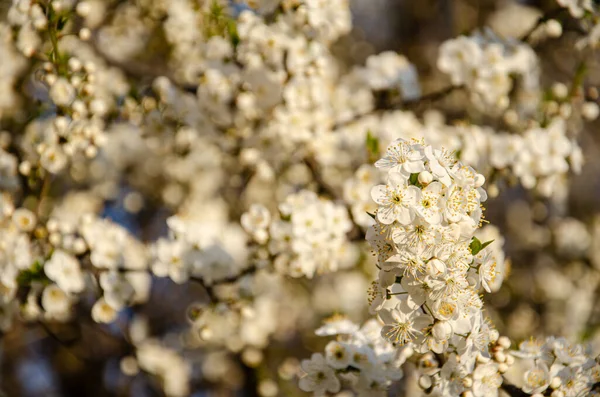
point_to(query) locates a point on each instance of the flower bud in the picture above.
(500, 357)
(425, 382)
(441, 330)
(504, 342)
(553, 28)
(556, 382)
(479, 180)
(494, 335)
(590, 111)
(425, 178)
(560, 90)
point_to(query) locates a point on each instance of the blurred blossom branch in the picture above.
(246, 148)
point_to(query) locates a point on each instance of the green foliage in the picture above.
(372, 144)
(218, 22)
(34, 274)
(477, 246)
(414, 180)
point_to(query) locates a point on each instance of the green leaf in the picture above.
(62, 21)
(372, 144)
(476, 246)
(233, 33)
(414, 180)
(486, 244)
(33, 274)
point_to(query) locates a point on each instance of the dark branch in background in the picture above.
(228, 280)
(324, 187)
(513, 391)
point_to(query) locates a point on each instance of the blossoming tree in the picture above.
(191, 189)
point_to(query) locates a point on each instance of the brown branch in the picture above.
(324, 187)
(228, 280)
(513, 390)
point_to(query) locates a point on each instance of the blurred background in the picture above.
(553, 244)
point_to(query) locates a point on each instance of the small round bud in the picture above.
(551, 108)
(494, 335)
(557, 393)
(83, 9)
(511, 117)
(504, 342)
(206, 334)
(252, 357)
(75, 64)
(425, 178)
(79, 106)
(468, 393)
(502, 368)
(590, 111)
(89, 67)
(537, 395)
(51, 79)
(55, 239)
(479, 180)
(58, 5)
(553, 28)
(79, 246)
(91, 151)
(61, 124)
(425, 382)
(52, 225)
(565, 110)
(25, 168)
(510, 360)
(85, 34)
(555, 382)
(76, 81)
(560, 90)
(500, 356)
(129, 366)
(268, 388)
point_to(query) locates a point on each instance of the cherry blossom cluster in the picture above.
(431, 265)
(199, 247)
(308, 238)
(555, 367)
(486, 64)
(358, 357)
(226, 149)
